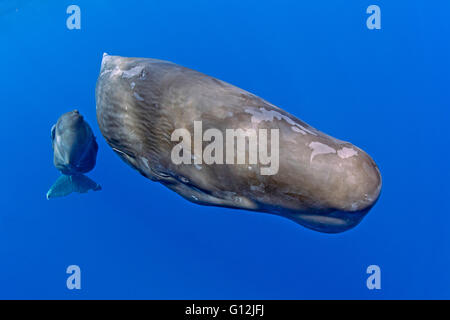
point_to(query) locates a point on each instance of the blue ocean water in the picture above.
(386, 91)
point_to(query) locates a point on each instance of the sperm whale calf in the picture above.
(74, 153)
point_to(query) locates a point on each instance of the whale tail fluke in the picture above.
(66, 184)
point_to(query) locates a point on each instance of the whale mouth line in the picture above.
(334, 221)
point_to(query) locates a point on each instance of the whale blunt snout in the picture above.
(360, 185)
(353, 188)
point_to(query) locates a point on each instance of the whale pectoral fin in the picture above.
(53, 136)
(65, 185)
(53, 132)
(198, 196)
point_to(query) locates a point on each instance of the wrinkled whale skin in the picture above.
(323, 183)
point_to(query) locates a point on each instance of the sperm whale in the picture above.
(148, 110)
(74, 153)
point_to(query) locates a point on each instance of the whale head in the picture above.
(73, 144)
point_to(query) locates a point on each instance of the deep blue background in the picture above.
(387, 91)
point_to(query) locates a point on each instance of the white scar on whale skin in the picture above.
(132, 72)
(116, 72)
(345, 153)
(269, 115)
(319, 148)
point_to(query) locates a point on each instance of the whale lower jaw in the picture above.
(329, 221)
(334, 222)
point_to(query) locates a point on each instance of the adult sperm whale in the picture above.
(321, 182)
(74, 153)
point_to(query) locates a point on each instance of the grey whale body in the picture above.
(322, 183)
(74, 154)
